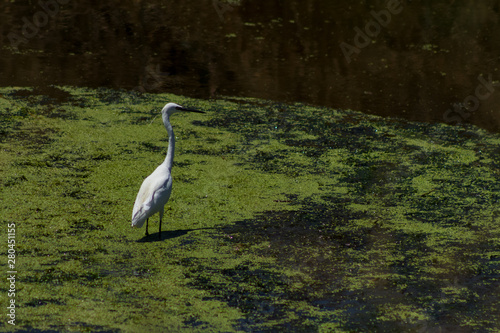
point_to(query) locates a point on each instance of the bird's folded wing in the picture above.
(148, 201)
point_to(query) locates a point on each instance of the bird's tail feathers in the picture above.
(138, 218)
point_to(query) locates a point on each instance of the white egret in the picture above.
(156, 188)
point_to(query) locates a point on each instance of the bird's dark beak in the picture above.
(188, 110)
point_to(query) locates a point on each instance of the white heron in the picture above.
(156, 188)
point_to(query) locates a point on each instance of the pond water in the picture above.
(432, 61)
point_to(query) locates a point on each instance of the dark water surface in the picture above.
(435, 61)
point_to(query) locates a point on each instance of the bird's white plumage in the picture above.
(156, 188)
(153, 195)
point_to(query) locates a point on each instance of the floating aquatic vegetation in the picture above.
(283, 217)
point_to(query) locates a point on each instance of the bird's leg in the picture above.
(147, 233)
(161, 217)
(159, 232)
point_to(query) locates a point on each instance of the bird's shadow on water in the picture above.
(167, 234)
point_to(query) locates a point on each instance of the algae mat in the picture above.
(283, 217)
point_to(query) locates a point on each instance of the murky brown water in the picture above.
(410, 59)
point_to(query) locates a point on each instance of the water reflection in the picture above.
(415, 63)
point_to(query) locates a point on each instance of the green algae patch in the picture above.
(282, 217)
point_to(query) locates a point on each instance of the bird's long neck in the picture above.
(171, 143)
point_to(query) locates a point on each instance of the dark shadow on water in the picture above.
(166, 234)
(344, 273)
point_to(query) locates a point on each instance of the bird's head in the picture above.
(172, 108)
